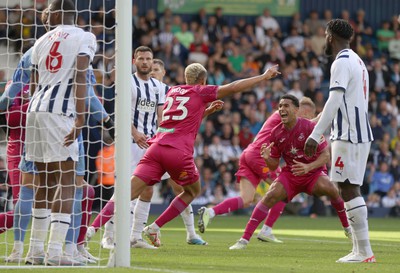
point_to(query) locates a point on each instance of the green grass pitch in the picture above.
(310, 245)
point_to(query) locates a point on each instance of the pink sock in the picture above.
(87, 202)
(6, 221)
(228, 205)
(274, 213)
(174, 209)
(338, 204)
(104, 216)
(258, 215)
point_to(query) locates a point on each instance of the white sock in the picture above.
(211, 212)
(266, 229)
(140, 216)
(109, 228)
(40, 228)
(357, 213)
(188, 219)
(70, 249)
(19, 246)
(154, 227)
(132, 206)
(58, 231)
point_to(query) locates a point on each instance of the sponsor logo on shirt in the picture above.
(145, 105)
(165, 130)
(183, 175)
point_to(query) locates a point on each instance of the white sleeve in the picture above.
(161, 99)
(328, 114)
(340, 75)
(34, 57)
(88, 45)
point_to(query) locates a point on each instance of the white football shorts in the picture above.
(44, 141)
(349, 161)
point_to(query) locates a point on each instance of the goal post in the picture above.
(20, 27)
(123, 132)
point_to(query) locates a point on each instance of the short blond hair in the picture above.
(195, 73)
(306, 101)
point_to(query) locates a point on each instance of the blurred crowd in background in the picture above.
(234, 51)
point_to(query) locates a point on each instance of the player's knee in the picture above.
(247, 202)
(147, 194)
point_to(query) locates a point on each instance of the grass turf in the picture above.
(310, 245)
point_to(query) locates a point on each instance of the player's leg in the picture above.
(140, 217)
(73, 230)
(247, 191)
(188, 218)
(61, 212)
(102, 218)
(349, 169)
(265, 234)
(324, 187)
(14, 178)
(176, 207)
(275, 194)
(23, 208)
(87, 202)
(44, 191)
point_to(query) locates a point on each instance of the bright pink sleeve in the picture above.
(208, 93)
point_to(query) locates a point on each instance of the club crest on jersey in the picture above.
(293, 150)
(145, 105)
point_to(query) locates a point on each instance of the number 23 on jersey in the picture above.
(170, 102)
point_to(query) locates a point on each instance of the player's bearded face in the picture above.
(144, 63)
(328, 45)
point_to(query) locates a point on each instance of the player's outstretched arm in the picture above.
(245, 84)
(214, 107)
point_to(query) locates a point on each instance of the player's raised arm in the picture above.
(245, 84)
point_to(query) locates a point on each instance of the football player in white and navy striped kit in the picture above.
(346, 111)
(60, 60)
(148, 97)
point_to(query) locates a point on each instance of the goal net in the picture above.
(20, 26)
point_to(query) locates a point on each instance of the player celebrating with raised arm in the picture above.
(300, 174)
(346, 111)
(60, 60)
(252, 170)
(140, 215)
(171, 150)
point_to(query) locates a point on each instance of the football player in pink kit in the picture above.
(253, 170)
(300, 174)
(15, 116)
(171, 149)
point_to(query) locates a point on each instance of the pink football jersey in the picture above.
(290, 143)
(182, 114)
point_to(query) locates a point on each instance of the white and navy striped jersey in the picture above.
(147, 96)
(54, 56)
(165, 88)
(349, 74)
